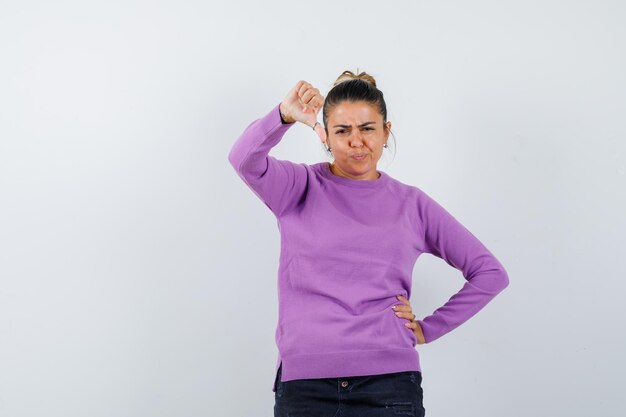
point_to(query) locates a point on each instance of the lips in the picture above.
(359, 156)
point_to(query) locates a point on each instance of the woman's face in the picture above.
(356, 128)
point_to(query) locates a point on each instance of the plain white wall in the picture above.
(138, 272)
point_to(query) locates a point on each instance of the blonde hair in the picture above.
(349, 75)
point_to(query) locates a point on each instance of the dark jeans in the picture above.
(394, 394)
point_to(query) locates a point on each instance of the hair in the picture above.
(353, 87)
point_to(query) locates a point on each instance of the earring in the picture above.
(385, 145)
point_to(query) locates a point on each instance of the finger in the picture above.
(308, 106)
(403, 299)
(317, 98)
(296, 89)
(313, 102)
(292, 96)
(308, 95)
(406, 315)
(311, 96)
(303, 87)
(319, 101)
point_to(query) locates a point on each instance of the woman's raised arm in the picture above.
(280, 184)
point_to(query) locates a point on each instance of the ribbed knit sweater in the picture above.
(347, 249)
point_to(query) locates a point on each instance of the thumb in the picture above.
(321, 132)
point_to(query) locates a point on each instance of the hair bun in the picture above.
(349, 75)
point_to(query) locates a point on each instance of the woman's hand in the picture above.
(302, 104)
(404, 311)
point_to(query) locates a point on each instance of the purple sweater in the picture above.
(348, 247)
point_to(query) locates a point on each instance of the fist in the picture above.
(302, 104)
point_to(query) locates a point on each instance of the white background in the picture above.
(138, 272)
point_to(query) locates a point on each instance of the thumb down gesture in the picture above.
(302, 104)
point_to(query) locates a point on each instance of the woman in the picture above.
(350, 236)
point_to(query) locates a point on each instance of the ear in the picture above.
(388, 124)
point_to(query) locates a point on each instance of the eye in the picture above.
(340, 131)
(369, 128)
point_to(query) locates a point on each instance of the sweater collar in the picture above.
(379, 182)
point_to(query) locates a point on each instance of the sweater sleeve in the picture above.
(449, 240)
(280, 184)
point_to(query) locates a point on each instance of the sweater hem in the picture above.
(346, 364)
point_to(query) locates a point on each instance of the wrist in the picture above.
(284, 119)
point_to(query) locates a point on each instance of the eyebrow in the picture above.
(361, 125)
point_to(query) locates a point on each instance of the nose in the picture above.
(357, 139)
